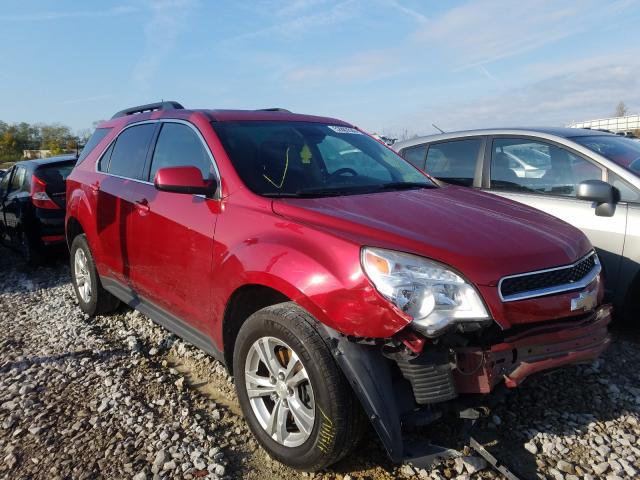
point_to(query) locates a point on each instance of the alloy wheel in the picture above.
(81, 272)
(280, 391)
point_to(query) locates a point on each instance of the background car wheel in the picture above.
(31, 253)
(93, 299)
(292, 393)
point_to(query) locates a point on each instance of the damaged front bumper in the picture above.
(538, 349)
(401, 389)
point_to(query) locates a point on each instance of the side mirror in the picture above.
(602, 194)
(184, 180)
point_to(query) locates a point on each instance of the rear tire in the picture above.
(301, 372)
(31, 253)
(92, 297)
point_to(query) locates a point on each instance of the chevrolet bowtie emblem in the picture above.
(585, 301)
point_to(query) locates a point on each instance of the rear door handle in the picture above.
(143, 205)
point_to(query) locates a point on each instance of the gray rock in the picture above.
(600, 468)
(470, 464)
(565, 467)
(140, 475)
(531, 448)
(161, 458)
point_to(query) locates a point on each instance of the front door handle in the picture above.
(143, 206)
(95, 187)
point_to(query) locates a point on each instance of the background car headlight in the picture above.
(429, 292)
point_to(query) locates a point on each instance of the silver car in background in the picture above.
(588, 178)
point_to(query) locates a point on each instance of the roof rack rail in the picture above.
(273, 109)
(149, 107)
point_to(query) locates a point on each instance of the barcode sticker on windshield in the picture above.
(338, 129)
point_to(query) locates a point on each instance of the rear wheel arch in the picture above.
(73, 229)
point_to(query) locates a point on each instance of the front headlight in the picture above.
(427, 291)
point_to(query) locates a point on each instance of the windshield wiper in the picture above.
(311, 193)
(405, 185)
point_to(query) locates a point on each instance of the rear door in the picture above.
(545, 175)
(122, 167)
(4, 190)
(13, 203)
(173, 251)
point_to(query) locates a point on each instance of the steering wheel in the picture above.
(343, 170)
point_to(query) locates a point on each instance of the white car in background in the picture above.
(588, 178)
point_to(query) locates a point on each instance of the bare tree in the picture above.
(621, 110)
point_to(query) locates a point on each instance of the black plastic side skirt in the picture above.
(162, 317)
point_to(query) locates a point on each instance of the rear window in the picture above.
(623, 151)
(94, 140)
(55, 174)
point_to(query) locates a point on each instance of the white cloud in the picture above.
(479, 32)
(296, 25)
(94, 98)
(369, 65)
(577, 91)
(168, 20)
(45, 16)
(403, 9)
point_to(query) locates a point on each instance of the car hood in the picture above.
(483, 236)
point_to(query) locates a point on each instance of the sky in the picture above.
(388, 66)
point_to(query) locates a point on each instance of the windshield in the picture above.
(623, 151)
(313, 159)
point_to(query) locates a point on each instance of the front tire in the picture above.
(294, 397)
(92, 297)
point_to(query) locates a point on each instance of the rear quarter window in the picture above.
(92, 143)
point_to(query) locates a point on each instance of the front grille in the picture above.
(536, 281)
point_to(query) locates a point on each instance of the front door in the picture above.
(545, 176)
(172, 256)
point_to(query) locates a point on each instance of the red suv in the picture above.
(338, 283)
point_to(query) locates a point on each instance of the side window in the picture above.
(525, 165)
(415, 155)
(4, 183)
(454, 161)
(129, 152)
(628, 193)
(18, 179)
(179, 146)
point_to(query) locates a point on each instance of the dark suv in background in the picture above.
(32, 205)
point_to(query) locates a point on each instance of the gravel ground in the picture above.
(120, 397)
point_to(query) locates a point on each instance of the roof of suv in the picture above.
(564, 132)
(175, 110)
